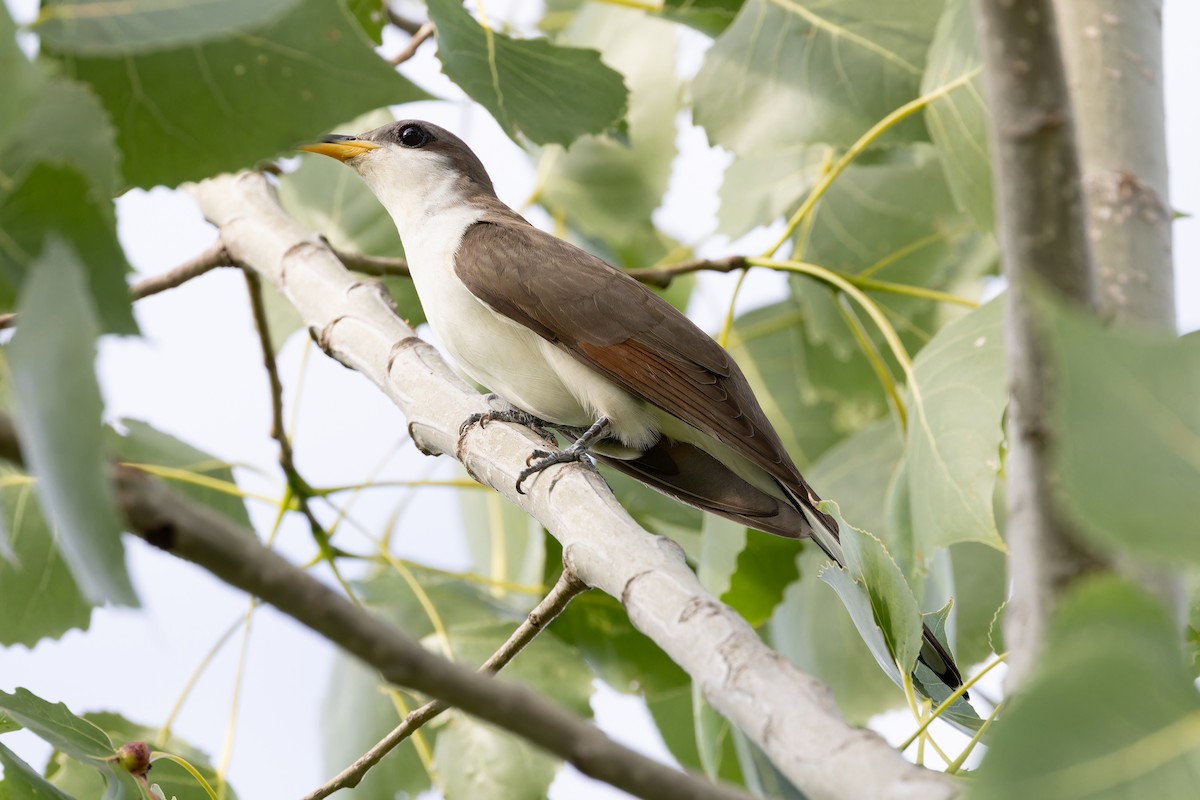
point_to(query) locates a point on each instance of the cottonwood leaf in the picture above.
(817, 72)
(958, 121)
(255, 89)
(547, 93)
(1128, 428)
(952, 450)
(38, 593)
(58, 422)
(1107, 713)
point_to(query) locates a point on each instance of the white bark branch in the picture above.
(790, 715)
(1043, 245)
(1112, 51)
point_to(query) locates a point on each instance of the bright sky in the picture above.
(196, 373)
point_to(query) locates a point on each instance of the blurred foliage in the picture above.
(890, 398)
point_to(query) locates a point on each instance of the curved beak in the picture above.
(339, 146)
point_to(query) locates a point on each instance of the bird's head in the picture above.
(412, 166)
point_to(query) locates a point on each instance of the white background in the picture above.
(196, 373)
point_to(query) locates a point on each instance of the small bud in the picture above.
(135, 757)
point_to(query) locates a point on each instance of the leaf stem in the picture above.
(843, 284)
(959, 692)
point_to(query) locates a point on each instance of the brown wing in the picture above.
(615, 325)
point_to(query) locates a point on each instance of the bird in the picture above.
(574, 344)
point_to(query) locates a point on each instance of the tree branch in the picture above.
(1040, 225)
(210, 259)
(1113, 55)
(1114, 65)
(211, 540)
(788, 714)
(409, 50)
(565, 590)
(215, 256)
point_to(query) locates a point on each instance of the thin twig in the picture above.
(299, 488)
(661, 277)
(567, 588)
(215, 256)
(373, 265)
(409, 50)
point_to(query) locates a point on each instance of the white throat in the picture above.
(428, 201)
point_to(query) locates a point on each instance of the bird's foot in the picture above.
(577, 453)
(514, 415)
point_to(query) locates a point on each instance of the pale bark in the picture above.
(1112, 51)
(1040, 227)
(790, 715)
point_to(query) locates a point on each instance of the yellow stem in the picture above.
(727, 326)
(959, 692)
(841, 283)
(876, 360)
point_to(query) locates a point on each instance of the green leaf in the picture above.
(54, 723)
(858, 472)
(955, 407)
(816, 633)
(980, 587)
(892, 218)
(57, 203)
(959, 713)
(257, 90)
(607, 188)
(547, 93)
(623, 657)
(475, 759)
(714, 741)
(22, 782)
(358, 711)
(1111, 711)
(448, 612)
(707, 16)
(856, 600)
(59, 407)
(766, 567)
(1128, 425)
(81, 780)
(142, 443)
(332, 200)
(768, 344)
(721, 541)
(39, 596)
(761, 187)
(674, 712)
(371, 15)
(102, 28)
(958, 121)
(58, 172)
(506, 544)
(786, 73)
(893, 606)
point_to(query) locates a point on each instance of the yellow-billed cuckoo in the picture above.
(578, 344)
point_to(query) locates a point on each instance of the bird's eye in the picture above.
(413, 136)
